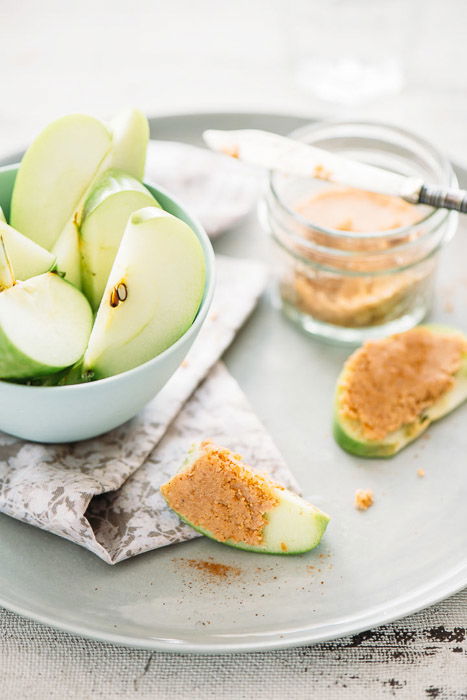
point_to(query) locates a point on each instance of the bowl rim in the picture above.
(208, 294)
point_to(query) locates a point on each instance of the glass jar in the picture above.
(345, 285)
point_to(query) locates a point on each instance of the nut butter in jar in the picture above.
(354, 265)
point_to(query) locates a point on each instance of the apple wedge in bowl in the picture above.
(152, 295)
(84, 410)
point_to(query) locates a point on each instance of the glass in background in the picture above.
(349, 51)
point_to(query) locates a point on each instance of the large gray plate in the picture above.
(405, 553)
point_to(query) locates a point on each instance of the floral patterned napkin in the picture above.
(218, 189)
(103, 493)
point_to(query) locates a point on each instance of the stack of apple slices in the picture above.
(95, 277)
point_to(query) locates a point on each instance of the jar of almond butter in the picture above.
(353, 265)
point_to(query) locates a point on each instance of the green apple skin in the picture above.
(27, 258)
(299, 528)
(55, 173)
(65, 377)
(160, 270)
(293, 526)
(130, 130)
(348, 439)
(68, 255)
(106, 211)
(347, 432)
(45, 324)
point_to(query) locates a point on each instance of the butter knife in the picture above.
(274, 152)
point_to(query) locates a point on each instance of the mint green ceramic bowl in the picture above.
(81, 411)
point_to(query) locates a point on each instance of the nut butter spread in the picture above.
(221, 495)
(347, 209)
(352, 299)
(390, 382)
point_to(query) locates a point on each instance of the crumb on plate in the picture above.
(363, 499)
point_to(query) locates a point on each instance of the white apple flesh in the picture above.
(67, 253)
(105, 215)
(59, 170)
(130, 130)
(152, 295)
(130, 134)
(54, 175)
(45, 324)
(7, 276)
(27, 258)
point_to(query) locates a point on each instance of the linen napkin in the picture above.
(59, 487)
(218, 189)
(135, 518)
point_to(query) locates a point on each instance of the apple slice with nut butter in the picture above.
(219, 496)
(391, 390)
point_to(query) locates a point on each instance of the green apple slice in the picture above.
(7, 276)
(2, 215)
(348, 432)
(228, 502)
(106, 211)
(54, 175)
(27, 258)
(130, 131)
(68, 255)
(152, 295)
(67, 247)
(45, 324)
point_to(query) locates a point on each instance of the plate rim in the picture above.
(441, 589)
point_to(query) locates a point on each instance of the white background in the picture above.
(165, 56)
